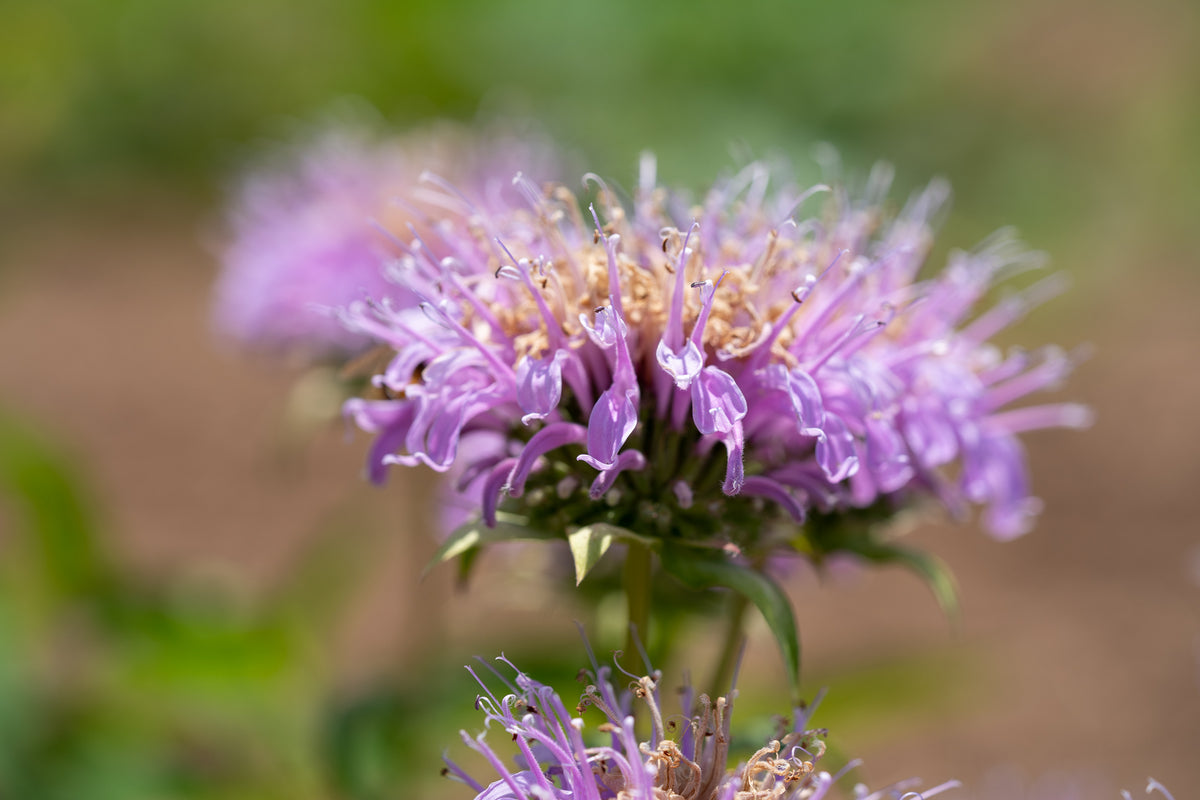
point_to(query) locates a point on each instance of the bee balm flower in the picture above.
(685, 757)
(703, 372)
(308, 232)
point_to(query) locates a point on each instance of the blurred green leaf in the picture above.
(119, 688)
(865, 533)
(704, 569)
(39, 484)
(362, 739)
(931, 569)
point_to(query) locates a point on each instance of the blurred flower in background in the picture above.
(309, 226)
(302, 239)
(1073, 120)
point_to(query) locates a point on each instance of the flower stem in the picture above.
(637, 596)
(723, 674)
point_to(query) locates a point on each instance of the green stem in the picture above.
(638, 568)
(719, 685)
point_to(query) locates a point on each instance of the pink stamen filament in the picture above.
(553, 328)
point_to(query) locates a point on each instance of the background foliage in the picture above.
(126, 671)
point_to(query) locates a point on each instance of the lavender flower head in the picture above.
(306, 230)
(708, 372)
(685, 756)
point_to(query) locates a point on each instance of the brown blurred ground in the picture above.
(1080, 641)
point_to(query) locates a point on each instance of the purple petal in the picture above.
(886, 456)
(835, 449)
(433, 437)
(804, 394)
(612, 420)
(390, 420)
(608, 328)
(459, 773)
(863, 489)
(810, 480)
(373, 416)
(759, 486)
(493, 486)
(630, 459)
(994, 472)
(708, 292)
(443, 413)
(1057, 415)
(718, 406)
(673, 332)
(847, 392)
(549, 438)
(682, 365)
(717, 402)
(1047, 374)
(507, 788)
(683, 494)
(614, 416)
(735, 473)
(403, 368)
(539, 385)
(929, 432)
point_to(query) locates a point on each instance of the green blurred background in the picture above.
(194, 605)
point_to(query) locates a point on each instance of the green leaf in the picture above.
(588, 546)
(937, 577)
(591, 542)
(928, 567)
(476, 534)
(862, 535)
(466, 564)
(700, 570)
(54, 511)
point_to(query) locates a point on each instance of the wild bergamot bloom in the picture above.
(308, 228)
(686, 755)
(704, 372)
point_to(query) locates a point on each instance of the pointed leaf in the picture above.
(624, 534)
(588, 546)
(702, 570)
(466, 564)
(476, 534)
(591, 542)
(937, 577)
(931, 569)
